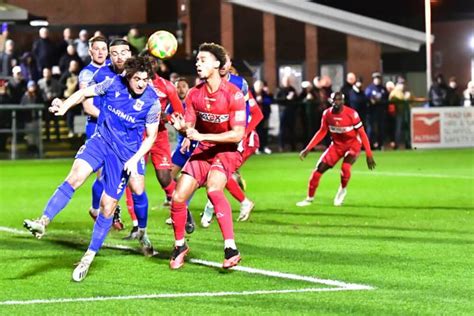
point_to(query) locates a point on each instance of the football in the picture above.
(162, 44)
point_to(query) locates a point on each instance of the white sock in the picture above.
(135, 223)
(89, 255)
(229, 243)
(245, 201)
(179, 243)
(310, 198)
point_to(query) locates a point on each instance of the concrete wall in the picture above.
(87, 11)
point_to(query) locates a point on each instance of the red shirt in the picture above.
(215, 113)
(167, 93)
(342, 126)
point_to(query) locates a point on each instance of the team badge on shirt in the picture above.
(138, 105)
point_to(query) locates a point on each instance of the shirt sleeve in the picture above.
(356, 120)
(85, 78)
(153, 115)
(103, 87)
(173, 97)
(190, 113)
(238, 113)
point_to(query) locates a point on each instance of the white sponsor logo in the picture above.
(340, 129)
(120, 114)
(427, 120)
(138, 105)
(121, 185)
(117, 94)
(213, 118)
(238, 95)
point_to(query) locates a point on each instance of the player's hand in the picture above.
(57, 107)
(177, 120)
(303, 154)
(371, 163)
(131, 167)
(185, 145)
(193, 134)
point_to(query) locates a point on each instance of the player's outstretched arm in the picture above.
(59, 107)
(368, 151)
(317, 138)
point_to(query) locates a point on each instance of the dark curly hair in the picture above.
(138, 64)
(215, 49)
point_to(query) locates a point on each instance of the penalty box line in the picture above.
(337, 285)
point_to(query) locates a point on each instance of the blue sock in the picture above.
(141, 208)
(97, 189)
(58, 200)
(101, 228)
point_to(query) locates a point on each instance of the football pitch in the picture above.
(402, 243)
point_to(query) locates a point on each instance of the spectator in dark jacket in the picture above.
(44, 50)
(347, 87)
(8, 58)
(377, 95)
(16, 86)
(65, 59)
(438, 93)
(358, 100)
(454, 96)
(28, 66)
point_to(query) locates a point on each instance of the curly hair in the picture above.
(138, 64)
(215, 49)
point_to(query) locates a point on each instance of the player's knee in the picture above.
(164, 177)
(137, 185)
(346, 170)
(178, 197)
(108, 208)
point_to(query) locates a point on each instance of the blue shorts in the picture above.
(98, 154)
(178, 158)
(91, 126)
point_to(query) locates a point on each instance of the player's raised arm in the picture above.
(317, 138)
(59, 107)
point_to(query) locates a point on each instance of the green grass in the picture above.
(406, 229)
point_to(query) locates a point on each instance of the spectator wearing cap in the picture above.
(438, 93)
(82, 46)
(377, 95)
(16, 86)
(29, 70)
(44, 51)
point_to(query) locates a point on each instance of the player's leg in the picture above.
(140, 202)
(102, 226)
(349, 159)
(88, 159)
(161, 159)
(97, 190)
(246, 205)
(185, 187)
(328, 159)
(131, 211)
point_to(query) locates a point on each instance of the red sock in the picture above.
(223, 213)
(170, 189)
(130, 206)
(178, 215)
(345, 174)
(234, 189)
(313, 183)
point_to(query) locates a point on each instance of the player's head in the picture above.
(337, 100)
(210, 58)
(119, 53)
(225, 69)
(155, 62)
(182, 87)
(138, 71)
(98, 49)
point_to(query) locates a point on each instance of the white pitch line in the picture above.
(169, 295)
(339, 285)
(413, 174)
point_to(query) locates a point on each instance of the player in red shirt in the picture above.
(348, 135)
(216, 118)
(248, 146)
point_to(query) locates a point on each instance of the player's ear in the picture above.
(217, 64)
